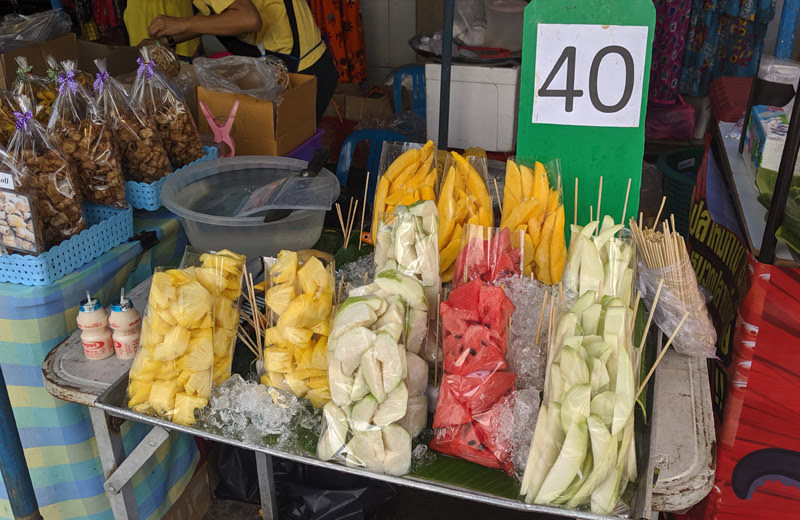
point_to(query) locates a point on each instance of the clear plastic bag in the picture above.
(54, 71)
(17, 31)
(697, 336)
(39, 91)
(476, 385)
(7, 120)
(77, 126)
(47, 177)
(533, 202)
(376, 383)
(407, 173)
(144, 158)
(155, 98)
(463, 199)
(299, 301)
(220, 274)
(582, 454)
(487, 254)
(239, 75)
(171, 373)
(20, 224)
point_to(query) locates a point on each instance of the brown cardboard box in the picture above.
(120, 60)
(351, 103)
(194, 502)
(260, 127)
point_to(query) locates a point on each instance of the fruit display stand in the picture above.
(57, 437)
(678, 448)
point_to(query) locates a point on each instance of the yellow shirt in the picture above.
(275, 33)
(139, 14)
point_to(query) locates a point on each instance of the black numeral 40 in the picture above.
(569, 93)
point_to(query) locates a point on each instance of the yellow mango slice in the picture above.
(513, 183)
(542, 256)
(403, 161)
(526, 182)
(378, 207)
(558, 246)
(522, 213)
(485, 217)
(448, 255)
(552, 201)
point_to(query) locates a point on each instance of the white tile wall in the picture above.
(388, 25)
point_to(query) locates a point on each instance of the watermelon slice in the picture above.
(503, 268)
(495, 308)
(449, 410)
(479, 391)
(466, 297)
(473, 350)
(463, 442)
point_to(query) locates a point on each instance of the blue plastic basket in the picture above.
(147, 195)
(108, 228)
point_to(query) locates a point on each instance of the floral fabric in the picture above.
(342, 28)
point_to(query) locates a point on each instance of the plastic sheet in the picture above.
(299, 301)
(697, 336)
(47, 177)
(376, 380)
(17, 31)
(220, 274)
(239, 75)
(155, 98)
(171, 374)
(20, 224)
(7, 120)
(54, 70)
(533, 202)
(40, 93)
(84, 136)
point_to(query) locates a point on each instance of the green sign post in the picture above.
(583, 97)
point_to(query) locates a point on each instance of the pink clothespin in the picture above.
(222, 133)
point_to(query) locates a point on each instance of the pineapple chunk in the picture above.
(174, 345)
(319, 356)
(277, 359)
(298, 337)
(318, 397)
(199, 357)
(162, 397)
(199, 384)
(185, 405)
(279, 297)
(138, 392)
(299, 388)
(162, 292)
(285, 269)
(193, 303)
(314, 277)
(322, 328)
(223, 343)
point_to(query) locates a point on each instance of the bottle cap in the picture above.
(90, 305)
(121, 306)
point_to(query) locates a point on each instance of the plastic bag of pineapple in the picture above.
(299, 299)
(171, 373)
(221, 275)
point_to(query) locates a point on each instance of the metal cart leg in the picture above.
(266, 486)
(117, 469)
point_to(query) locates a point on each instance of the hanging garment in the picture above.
(341, 26)
(669, 43)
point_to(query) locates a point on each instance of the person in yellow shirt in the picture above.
(140, 13)
(286, 28)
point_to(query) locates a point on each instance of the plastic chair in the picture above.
(376, 139)
(417, 73)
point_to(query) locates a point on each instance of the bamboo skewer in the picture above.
(660, 209)
(652, 313)
(599, 200)
(625, 206)
(541, 318)
(661, 355)
(575, 208)
(363, 210)
(497, 192)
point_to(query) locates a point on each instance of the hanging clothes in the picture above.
(341, 26)
(139, 14)
(726, 38)
(669, 44)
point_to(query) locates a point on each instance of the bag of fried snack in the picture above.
(47, 176)
(171, 373)
(163, 104)
(38, 90)
(7, 120)
(144, 158)
(221, 274)
(77, 127)
(20, 225)
(54, 72)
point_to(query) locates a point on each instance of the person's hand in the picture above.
(163, 26)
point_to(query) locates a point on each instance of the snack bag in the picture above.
(153, 95)
(47, 177)
(171, 373)
(407, 174)
(221, 275)
(20, 225)
(533, 203)
(300, 301)
(376, 383)
(54, 72)
(487, 254)
(7, 119)
(83, 135)
(463, 199)
(39, 91)
(144, 158)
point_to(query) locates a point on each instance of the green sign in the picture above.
(583, 97)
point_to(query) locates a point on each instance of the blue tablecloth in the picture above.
(57, 436)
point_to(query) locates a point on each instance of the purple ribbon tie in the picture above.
(22, 119)
(67, 79)
(100, 81)
(146, 67)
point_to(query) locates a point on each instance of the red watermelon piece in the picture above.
(463, 442)
(475, 349)
(467, 297)
(449, 408)
(493, 428)
(503, 268)
(495, 308)
(478, 392)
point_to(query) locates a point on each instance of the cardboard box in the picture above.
(351, 103)
(195, 501)
(120, 60)
(260, 127)
(765, 138)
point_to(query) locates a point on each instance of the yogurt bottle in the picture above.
(124, 320)
(95, 336)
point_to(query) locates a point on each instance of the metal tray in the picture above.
(113, 400)
(512, 60)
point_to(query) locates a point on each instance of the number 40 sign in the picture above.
(583, 96)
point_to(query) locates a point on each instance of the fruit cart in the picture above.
(677, 452)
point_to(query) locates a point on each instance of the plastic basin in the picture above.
(201, 195)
